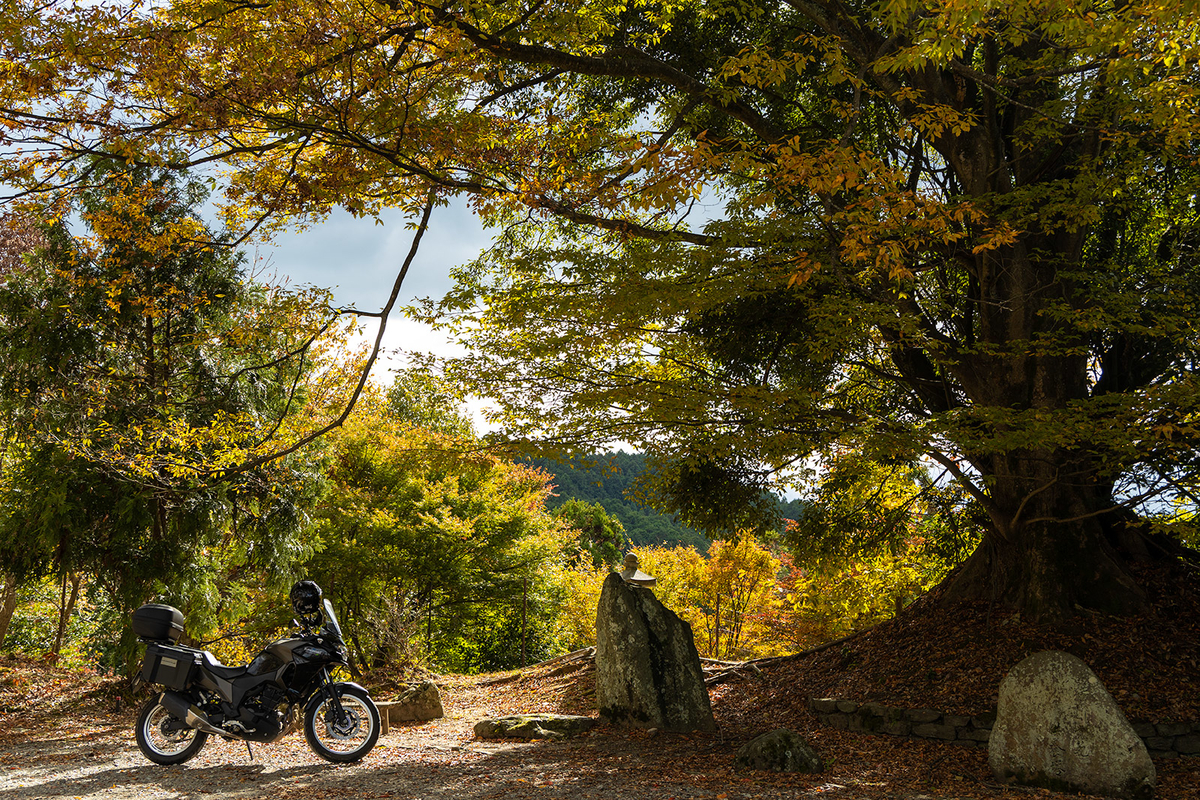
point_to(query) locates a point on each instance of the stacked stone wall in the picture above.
(1163, 740)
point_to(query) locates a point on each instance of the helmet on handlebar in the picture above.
(306, 598)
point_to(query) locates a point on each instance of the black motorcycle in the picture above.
(286, 684)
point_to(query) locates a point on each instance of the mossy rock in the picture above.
(778, 751)
(533, 726)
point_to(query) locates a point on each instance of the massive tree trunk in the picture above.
(1014, 360)
(1055, 559)
(1050, 549)
(1051, 546)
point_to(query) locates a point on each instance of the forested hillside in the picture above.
(609, 479)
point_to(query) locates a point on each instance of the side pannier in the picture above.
(171, 667)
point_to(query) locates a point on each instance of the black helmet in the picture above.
(306, 598)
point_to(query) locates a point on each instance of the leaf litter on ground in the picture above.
(933, 655)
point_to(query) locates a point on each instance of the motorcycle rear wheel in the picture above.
(343, 740)
(163, 739)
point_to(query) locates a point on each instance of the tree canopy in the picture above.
(436, 550)
(137, 355)
(736, 234)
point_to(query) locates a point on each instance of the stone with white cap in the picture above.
(647, 669)
(631, 574)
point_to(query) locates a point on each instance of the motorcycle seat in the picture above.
(220, 670)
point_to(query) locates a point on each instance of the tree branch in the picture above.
(365, 373)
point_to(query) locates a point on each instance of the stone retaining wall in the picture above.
(1163, 740)
(1170, 739)
(921, 723)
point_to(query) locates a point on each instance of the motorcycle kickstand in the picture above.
(249, 751)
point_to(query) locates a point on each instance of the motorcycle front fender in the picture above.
(317, 696)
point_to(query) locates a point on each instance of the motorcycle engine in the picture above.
(266, 698)
(260, 712)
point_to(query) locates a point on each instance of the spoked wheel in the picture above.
(165, 739)
(345, 736)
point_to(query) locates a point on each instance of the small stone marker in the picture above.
(631, 574)
(418, 703)
(533, 726)
(1058, 728)
(778, 751)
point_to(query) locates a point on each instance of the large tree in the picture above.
(139, 360)
(738, 232)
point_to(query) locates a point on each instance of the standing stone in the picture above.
(1058, 728)
(647, 668)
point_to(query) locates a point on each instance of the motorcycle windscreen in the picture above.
(332, 620)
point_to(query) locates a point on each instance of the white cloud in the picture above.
(358, 260)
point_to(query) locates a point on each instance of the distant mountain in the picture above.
(607, 478)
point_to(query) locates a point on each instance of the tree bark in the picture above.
(1049, 551)
(66, 608)
(8, 606)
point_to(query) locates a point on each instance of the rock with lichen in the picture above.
(1058, 728)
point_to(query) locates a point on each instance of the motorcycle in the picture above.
(287, 685)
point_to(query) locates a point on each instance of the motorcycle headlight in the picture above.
(311, 653)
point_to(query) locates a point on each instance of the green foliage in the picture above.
(434, 550)
(424, 400)
(861, 509)
(628, 486)
(718, 496)
(89, 639)
(733, 235)
(906, 261)
(602, 539)
(612, 482)
(127, 385)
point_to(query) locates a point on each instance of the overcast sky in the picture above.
(359, 260)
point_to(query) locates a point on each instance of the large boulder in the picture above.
(778, 751)
(533, 726)
(1057, 727)
(647, 669)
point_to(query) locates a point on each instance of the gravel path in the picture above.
(94, 756)
(427, 761)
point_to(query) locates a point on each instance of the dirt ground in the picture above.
(61, 737)
(65, 749)
(67, 734)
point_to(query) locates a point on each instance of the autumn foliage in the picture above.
(954, 239)
(745, 600)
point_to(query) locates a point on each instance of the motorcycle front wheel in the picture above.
(347, 736)
(165, 739)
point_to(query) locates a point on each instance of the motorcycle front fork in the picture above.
(335, 701)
